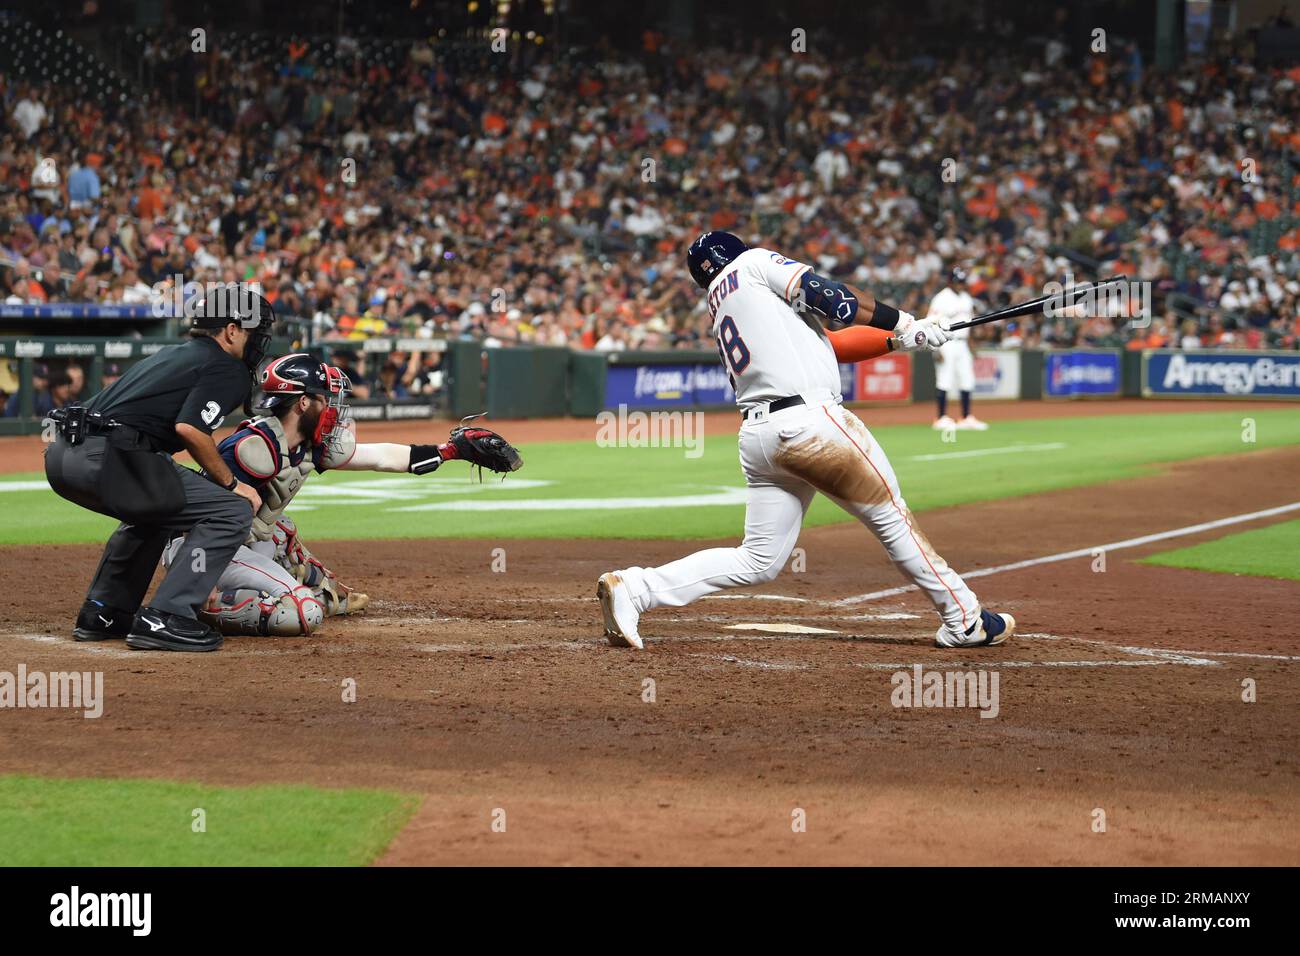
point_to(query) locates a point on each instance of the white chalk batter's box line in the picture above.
(1087, 552)
(1138, 656)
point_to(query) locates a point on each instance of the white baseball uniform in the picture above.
(957, 370)
(771, 352)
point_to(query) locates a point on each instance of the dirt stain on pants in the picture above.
(834, 468)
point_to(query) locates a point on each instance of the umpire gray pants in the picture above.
(217, 522)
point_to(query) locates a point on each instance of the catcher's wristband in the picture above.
(424, 459)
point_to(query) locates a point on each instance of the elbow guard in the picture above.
(830, 299)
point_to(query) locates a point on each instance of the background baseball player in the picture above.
(954, 363)
(274, 585)
(796, 439)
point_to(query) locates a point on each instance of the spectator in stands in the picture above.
(41, 403)
(546, 202)
(614, 339)
(83, 184)
(60, 392)
(428, 378)
(76, 382)
(29, 112)
(112, 372)
(8, 383)
(348, 362)
(388, 383)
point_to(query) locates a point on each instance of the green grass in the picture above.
(363, 505)
(73, 822)
(1272, 552)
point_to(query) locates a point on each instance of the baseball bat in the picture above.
(1033, 305)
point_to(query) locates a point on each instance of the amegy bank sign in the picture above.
(1236, 374)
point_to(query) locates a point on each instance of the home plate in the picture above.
(780, 628)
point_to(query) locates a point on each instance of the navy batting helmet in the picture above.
(710, 253)
(958, 275)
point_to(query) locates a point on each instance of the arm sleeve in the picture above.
(781, 274)
(219, 390)
(379, 456)
(858, 343)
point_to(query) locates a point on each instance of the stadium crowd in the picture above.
(546, 198)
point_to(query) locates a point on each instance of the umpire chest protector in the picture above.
(262, 449)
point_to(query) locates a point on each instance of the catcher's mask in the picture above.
(284, 380)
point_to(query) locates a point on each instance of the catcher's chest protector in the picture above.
(288, 481)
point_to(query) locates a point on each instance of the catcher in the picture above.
(274, 585)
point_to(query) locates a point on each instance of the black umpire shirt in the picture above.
(196, 383)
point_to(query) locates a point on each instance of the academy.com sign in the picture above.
(673, 380)
(649, 386)
(1256, 374)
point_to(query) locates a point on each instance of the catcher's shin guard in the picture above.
(335, 597)
(246, 611)
(338, 598)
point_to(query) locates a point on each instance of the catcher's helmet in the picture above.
(235, 302)
(710, 253)
(285, 379)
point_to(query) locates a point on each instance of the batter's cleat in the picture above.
(943, 424)
(620, 616)
(154, 630)
(972, 424)
(990, 630)
(99, 622)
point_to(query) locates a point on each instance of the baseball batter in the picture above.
(274, 585)
(797, 439)
(954, 363)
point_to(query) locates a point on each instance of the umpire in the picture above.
(113, 456)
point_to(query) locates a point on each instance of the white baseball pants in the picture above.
(787, 457)
(957, 370)
(252, 567)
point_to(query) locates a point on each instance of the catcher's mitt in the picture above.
(485, 448)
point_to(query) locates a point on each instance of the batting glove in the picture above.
(921, 335)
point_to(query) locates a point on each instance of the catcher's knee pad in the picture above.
(297, 612)
(246, 611)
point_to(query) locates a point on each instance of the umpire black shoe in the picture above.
(154, 630)
(99, 622)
